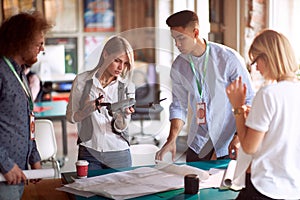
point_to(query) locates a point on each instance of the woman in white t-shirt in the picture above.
(271, 132)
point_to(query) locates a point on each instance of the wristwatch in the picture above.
(238, 111)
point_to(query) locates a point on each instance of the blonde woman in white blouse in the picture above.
(102, 137)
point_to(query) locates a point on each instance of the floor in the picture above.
(158, 127)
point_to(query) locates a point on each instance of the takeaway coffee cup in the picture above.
(191, 184)
(82, 168)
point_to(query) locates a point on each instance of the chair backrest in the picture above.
(147, 91)
(45, 138)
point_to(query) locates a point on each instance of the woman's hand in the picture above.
(234, 147)
(121, 120)
(236, 93)
(129, 110)
(90, 106)
(98, 101)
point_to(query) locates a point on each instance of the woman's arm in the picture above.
(250, 139)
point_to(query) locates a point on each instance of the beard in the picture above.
(30, 60)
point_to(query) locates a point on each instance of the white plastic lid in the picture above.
(82, 163)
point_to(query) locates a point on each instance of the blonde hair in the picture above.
(275, 49)
(117, 45)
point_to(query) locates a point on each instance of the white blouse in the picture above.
(103, 139)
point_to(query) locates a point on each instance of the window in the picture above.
(284, 17)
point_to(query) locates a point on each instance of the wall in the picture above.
(129, 15)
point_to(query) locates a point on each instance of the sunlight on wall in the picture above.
(284, 17)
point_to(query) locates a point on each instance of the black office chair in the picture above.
(147, 105)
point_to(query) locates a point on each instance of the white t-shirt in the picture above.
(275, 169)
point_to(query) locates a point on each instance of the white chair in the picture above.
(143, 154)
(46, 143)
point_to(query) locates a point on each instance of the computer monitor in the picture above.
(51, 62)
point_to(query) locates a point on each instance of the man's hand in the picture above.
(168, 147)
(15, 176)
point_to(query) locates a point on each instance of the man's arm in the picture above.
(170, 145)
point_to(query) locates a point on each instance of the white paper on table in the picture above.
(134, 183)
(182, 169)
(214, 180)
(35, 174)
(129, 184)
(76, 192)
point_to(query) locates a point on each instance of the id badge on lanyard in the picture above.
(201, 106)
(201, 113)
(32, 126)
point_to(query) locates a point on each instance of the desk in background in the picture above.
(205, 194)
(56, 90)
(54, 110)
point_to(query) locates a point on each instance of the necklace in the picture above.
(103, 82)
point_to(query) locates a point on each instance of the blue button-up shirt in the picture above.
(224, 65)
(16, 146)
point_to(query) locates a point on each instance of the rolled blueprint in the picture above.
(35, 174)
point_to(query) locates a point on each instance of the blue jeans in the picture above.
(9, 192)
(104, 160)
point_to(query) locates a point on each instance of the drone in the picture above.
(119, 107)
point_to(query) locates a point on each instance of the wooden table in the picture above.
(45, 190)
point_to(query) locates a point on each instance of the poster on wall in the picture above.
(12, 7)
(93, 46)
(99, 16)
(70, 52)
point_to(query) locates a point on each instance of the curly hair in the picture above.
(18, 32)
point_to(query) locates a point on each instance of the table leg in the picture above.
(64, 137)
(64, 142)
